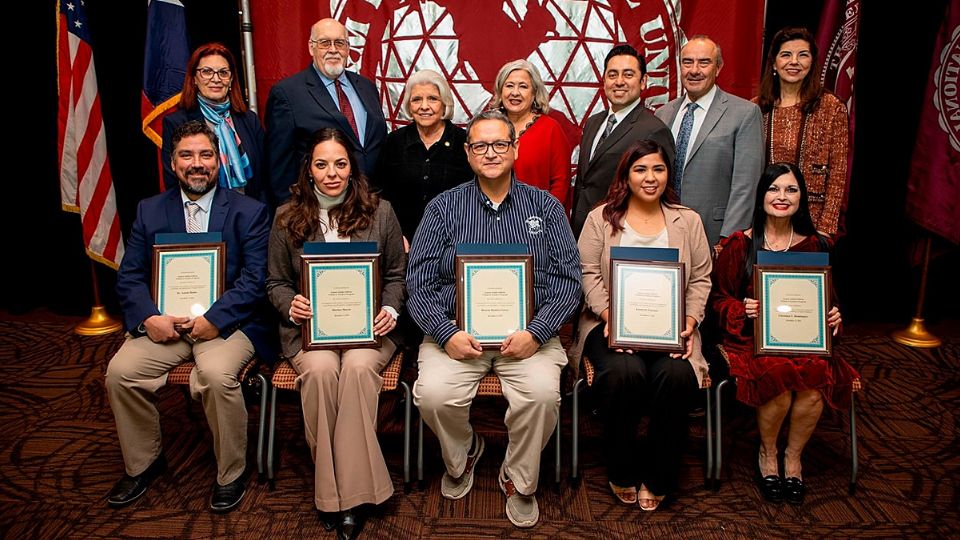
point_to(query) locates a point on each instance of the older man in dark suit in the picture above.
(323, 95)
(609, 133)
(222, 340)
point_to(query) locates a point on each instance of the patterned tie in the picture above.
(193, 218)
(611, 122)
(683, 139)
(345, 108)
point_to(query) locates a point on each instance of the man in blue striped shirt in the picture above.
(493, 208)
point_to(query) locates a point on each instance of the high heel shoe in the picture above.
(770, 486)
(794, 490)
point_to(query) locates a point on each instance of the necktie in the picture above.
(611, 122)
(683, 139)
(193, 218)
(346, 109)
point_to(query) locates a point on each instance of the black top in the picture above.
(410, 176)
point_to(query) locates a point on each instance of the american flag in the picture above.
(86, 186)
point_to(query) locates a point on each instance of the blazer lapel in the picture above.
(174, 210)
(676, 230)
(370, 103)
(589, 134)
(319, 92)
(619, 130)
(218, 210)
(716, 111)
(670, 109)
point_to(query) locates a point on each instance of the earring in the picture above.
(774, 73)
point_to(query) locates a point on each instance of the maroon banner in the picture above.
(468, 42)
(837, 37)
(933, 190)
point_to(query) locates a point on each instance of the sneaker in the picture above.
(457, 488)
(522, 510)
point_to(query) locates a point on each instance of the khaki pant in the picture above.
(339, 392)
(445, 389)
(140, 368)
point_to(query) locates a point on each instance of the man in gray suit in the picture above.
(608, 134)
(719, 139)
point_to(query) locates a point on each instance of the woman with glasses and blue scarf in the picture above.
(211, 92)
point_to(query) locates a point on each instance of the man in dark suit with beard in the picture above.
(323, 95)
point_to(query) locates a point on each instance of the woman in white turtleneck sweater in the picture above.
(339, 389)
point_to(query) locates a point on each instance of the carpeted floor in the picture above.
(59, 456)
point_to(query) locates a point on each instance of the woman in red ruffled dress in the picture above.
(777, 386)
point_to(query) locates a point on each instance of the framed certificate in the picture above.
(188, 278)
(344, 293)
(646, 305)
(794, 301)
(494, 296)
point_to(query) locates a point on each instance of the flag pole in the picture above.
(250, 72)
(99, 323)
(916, 335)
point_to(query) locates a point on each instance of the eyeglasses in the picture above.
(206, 73)
(327, 43)
(480, 148)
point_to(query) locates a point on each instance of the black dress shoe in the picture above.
(771, 488)
(329, 520)
(794, 490)
(130, 488)
(351, 524)
(226, 498)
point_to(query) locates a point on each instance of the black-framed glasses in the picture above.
(206, 73)
(327, 43)
(480, 148)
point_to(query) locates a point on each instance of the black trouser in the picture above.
(627, 386)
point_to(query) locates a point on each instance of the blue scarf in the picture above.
(235, 167)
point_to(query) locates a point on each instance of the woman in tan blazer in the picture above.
(339, 389)
(642, 210)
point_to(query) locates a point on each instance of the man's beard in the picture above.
(198, 187)
(334, 71)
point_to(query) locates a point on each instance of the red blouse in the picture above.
(543, 158)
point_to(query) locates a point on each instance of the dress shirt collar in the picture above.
(622, 113)
(704, 102)
(205, 201)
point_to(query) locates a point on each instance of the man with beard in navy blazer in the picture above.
(323, 95)
(221, 341)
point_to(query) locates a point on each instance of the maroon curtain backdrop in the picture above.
(469, 41)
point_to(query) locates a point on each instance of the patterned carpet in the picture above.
(59, 456)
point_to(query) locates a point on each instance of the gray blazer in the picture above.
(283, 271)
(595, 172)
(726, 160)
